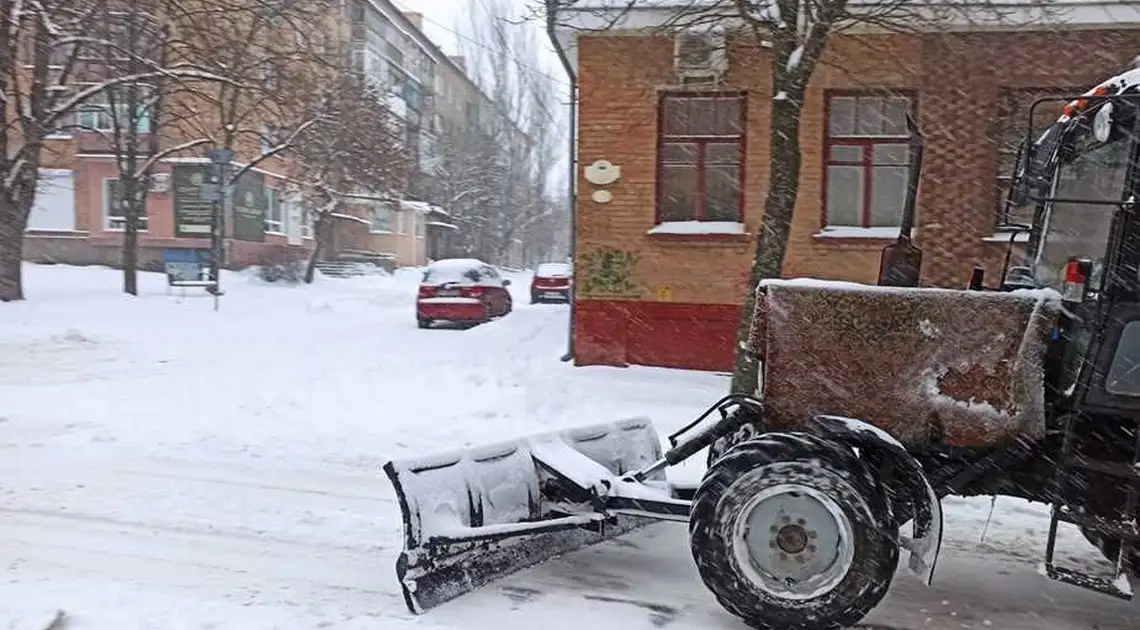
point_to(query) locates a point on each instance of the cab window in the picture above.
(1092, 177)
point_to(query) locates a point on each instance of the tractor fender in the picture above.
(926, 542)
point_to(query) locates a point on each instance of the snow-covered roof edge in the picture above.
(422, 207)
(615, 15)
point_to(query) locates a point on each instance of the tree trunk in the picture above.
(311, 267)
(11, 251)
(318, 242)
(772, 242)
(131, 259)
(128, 188)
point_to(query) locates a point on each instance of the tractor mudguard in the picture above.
(927, 540)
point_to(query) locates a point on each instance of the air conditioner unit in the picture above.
(159, 183)
(700, 55)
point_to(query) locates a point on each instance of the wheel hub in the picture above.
(794, 541)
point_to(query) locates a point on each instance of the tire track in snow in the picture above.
(82, 520)
(302, 506)
(213, 559)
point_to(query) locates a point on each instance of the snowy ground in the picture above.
(166, 466)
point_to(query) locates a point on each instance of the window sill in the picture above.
(858, 234)
(999, 237)
(56, 232)
(379, 231)
(700, 231)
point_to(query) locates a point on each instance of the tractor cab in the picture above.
(1081, 178)
(1078, 176)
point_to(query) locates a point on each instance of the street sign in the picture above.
(209, 191)
(221, 156)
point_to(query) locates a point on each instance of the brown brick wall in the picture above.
(957, 81)
(91, 244)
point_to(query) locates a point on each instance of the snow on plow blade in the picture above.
(471, 516)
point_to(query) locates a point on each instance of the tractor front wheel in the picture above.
(791, 532)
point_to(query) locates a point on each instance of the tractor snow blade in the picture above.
(474, 515)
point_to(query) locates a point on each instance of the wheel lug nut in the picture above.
(785, 520)
(774, 529)
(811, 548)
(812, 534)
(771, 544)
(800, 559)
(783, 556)
(801, 522)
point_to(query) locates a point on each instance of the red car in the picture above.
(461, 290)
(551, 282)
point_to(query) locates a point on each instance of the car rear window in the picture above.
(448, 271)
(554, 270)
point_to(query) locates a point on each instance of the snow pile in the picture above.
(924, 364)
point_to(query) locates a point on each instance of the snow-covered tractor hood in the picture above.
(960, 368)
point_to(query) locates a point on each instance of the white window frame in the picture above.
(274, 221)
(109, 220)
(269, 138)
(44, 211)
(419, 223)
(401, 222)
(95, 115)
(375, 227)
(307, 223)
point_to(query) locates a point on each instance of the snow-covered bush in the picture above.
(281, 262)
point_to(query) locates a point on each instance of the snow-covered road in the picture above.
(165, 466)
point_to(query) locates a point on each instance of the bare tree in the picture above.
(497, 169)
(270, 52)
(35, 60)
(43, 83)
(130, 116)
(353, 152)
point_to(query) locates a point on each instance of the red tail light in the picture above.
(1076, 279)
(551, 282)
(471, 292)
(426, 291)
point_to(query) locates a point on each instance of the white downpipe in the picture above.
(415, 239)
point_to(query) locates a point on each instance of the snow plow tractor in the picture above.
(874, 403)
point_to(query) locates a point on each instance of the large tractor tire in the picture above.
(791, 532)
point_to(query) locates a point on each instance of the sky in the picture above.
(446, 22)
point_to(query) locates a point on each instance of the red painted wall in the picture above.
(659, 334)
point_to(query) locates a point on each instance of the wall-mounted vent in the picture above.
(700, 55)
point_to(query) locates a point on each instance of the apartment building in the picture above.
(431, 93)
(76, 220)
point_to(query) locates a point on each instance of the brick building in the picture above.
(76, 221)
(665, 239)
